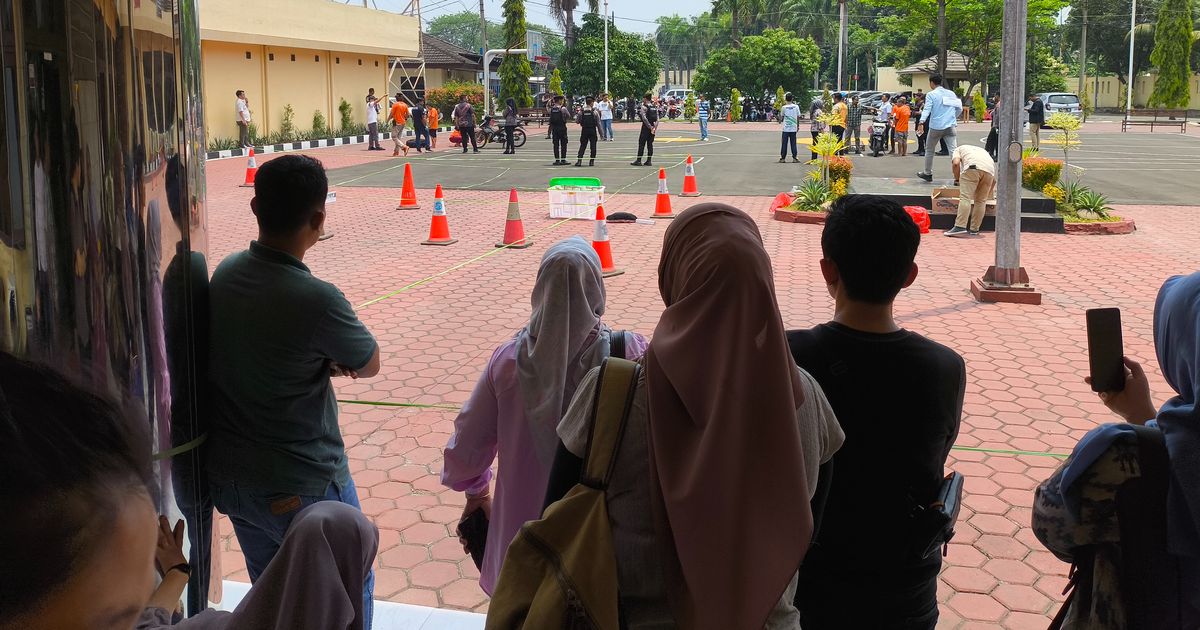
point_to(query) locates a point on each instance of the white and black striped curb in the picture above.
(307, 144)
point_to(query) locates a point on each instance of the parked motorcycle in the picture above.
(878, 141)
(490, 132)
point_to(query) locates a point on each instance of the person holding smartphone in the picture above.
(1075, 511)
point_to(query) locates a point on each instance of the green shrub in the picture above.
(735, 105)
(689, 107)
(445, 98)
(252, 131)
(287, 124)
(346, 115)
(222, 144)
(320, 128)
(1090, 204)
(978, 107)
(811, 196)
(840, 168)
(1036, 172)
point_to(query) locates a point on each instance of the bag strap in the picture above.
(610, 412)
(616, 344)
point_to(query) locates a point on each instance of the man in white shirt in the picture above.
(242, 106)
(373, 121)
(975, 174)
(605, 107)
(883, 114)
(790, 117)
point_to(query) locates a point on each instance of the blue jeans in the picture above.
(261, 518)
(423, 138)
(703, 128)
(606, 128)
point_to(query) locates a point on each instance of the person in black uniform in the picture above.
(648, 113)
(558, 130)
(589, 123)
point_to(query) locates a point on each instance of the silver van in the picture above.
(1065, 102)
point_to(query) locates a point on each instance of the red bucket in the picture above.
(920, 216)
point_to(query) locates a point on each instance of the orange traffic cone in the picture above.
(408, 192)
(689, 180)
(251, 170)
(514, 227)
(662, 201)
(439, 229)
(603, 248)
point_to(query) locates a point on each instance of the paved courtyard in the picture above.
(439, 312)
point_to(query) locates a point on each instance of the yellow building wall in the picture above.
(225, 71)
(310, 24)
(889, 81)
(1109, 95)
(351, 81)
(302, 83)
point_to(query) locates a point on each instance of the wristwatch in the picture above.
(182, 567)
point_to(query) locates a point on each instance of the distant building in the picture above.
(310, 54)
(439, 62)
(918, 73)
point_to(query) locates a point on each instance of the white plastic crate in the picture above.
(575, 202)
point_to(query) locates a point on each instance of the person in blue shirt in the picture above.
(941, 111)
(702, 108)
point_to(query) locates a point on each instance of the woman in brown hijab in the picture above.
(709, 499)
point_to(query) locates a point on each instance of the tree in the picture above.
(675, 38)
(775, 58)
(462, 29)
(735, 105)
(778, 103)
(633, 62)
(1172, 54)
(1043, 72)
(555, 86)
(689, 107)
(564, 15)
(515, 70)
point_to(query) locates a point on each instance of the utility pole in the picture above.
(1006, 281)
(843, 39)
(606, 46)
(1129, 79)
(1083, 51)
(483, 41)
(942, 38)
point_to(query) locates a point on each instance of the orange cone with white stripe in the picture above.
(603, 247)
(662, 201)
(408, 192)
(439, 228)
(514, 227)
(689, 180)
(251, 170)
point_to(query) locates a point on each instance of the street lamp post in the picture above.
(1006, 281)
(606, 46)
(487, 73)
(1129, 79)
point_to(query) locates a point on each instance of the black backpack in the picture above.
(1150, 577)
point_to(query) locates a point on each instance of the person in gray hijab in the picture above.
(521, 397)
(315, 582)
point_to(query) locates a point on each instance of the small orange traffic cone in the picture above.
(408, 192)
(251, 170)
(603, 247)
(439, 228)
(662, 201)
(514, 227)
(689, 180)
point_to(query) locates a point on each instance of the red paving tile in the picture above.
(1025, 364)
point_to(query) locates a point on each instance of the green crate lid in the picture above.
(575, 182)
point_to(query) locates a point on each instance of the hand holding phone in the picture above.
(1105, 350)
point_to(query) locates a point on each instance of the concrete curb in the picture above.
(307, 144)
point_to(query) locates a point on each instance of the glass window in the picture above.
(1064, 99)
(12, 216)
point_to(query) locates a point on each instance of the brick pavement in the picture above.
(1025, 364)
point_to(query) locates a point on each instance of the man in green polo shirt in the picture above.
(278, 334)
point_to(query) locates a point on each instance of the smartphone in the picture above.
(1105, 351)
(474, 529)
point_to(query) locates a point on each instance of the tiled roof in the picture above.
(956, 63)
(439, 52)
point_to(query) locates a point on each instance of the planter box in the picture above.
(1125, 226)
(792, 216)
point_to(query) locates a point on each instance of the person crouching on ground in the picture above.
(975, 176)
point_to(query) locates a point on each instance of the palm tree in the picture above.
(564, 15)
(675, 39)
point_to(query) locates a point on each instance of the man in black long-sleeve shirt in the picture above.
(898, 397)
(648, 114)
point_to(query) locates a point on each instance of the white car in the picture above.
(1064, 102)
